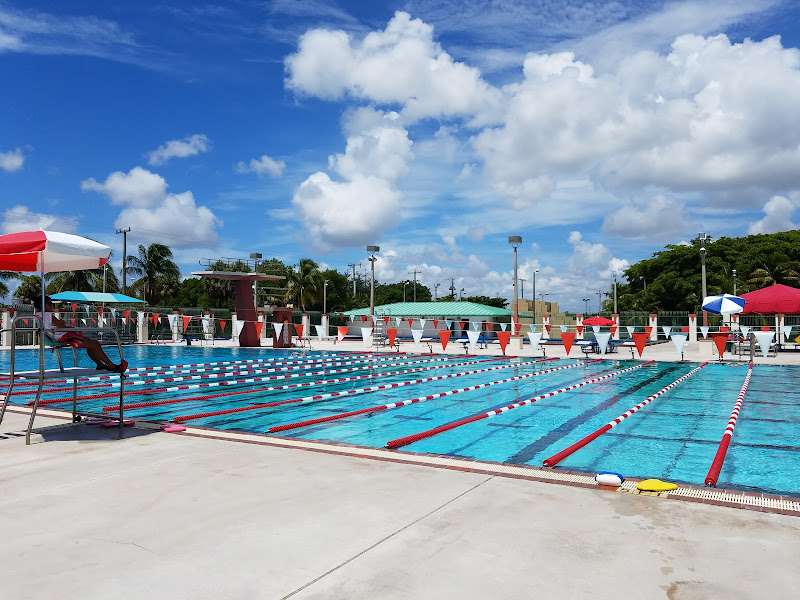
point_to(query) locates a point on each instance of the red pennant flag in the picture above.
(436, 323)
(222, 323)
(444, 337)
(74, 306)
(517, 327)
(489, 325)
(726, 329)
(154, 318)
(342, 330)
(463, 325)
(503, 337)
(298, 329)
(259, 328)
(24, 322)
(186, 320)
(640, 341)
(99, 310)
(363, 317)
(410, 322)
(685, 329)
(547, 328)
(568, 338)
(126, 313)
(648, 330)
(386, 320)
(720, 339)
(579, 329)
(763, 328)
(613, 330)
(392, 333)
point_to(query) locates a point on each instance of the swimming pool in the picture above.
(675, 437)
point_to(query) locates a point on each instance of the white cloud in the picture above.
(21, 218)
(659, 218)
(12, 160)
(778, 212)
(138, 187)
(153, 213)
(365, 202)
(400, 65)
(263, 165)
(593, 260)
(191, 145)
(177, 221)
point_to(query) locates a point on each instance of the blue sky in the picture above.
(596, 130)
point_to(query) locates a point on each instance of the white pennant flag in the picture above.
(173, 321)
(320, 331)
(101, 321)
(666, 329)
(596, 329)
(602, 341)
(417, 335)
(631, 329)
(473, 339)
(764, 341)
(704, 331)
(238, 325)
(475, 325)
(84, 322)
(503, 326)
(114, 312)
(278, 327)
(535, 338)
(86, 308)
(786, 330)
(447, 323)
(563, 328)
(352, 317)
(398, 320)
(366, 334)
(206, 325)
(532, 327)
(679, 341)
(422, 324)
(745, 329)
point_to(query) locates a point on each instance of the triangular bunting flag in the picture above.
(568, 338)
(667, 329)
(392, 334)
(640, 341)
(278, 327)
(786, 331)
(417, 335)
(679, 341)
(436, 323)
(298, 329)
(238, 325)
(473, 339)
(503, 326)
(602, 341)
(386, 320)
(648, 330)
(532, 327)
(320, 331)
(366, 334)
(363, 317)
(547, 329)
(222, 323)
(444, 337)
(489, 326)
(422, 324)
(154, 318)
(410, 323)
(720, 339)
(447, 323)
(596, 329)
(563, 328)
(186, 320)
(579, 329)
(341, 331)
(83, 322)
(704, 331)
(259, 328)
(463, 325)
(503, 337)
(535, 338)
(173, 321)
(398, 320)
(631, 329)
(475, 325)
(745, 329)
(764, 341)
(613, 329)
(73, 306)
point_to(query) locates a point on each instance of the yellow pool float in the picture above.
(656, 485)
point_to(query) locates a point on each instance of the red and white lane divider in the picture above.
(367, 362)
(344, 393)
(727, 435)
(410, 439)
(561, 455)
(392, 405)
(272, 388)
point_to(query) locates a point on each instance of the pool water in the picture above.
(673, 438)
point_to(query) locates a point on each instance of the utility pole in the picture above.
(535, 271)
(435, 291)
(325, 297)
(586, 306)
(461, 294)
(371, 250)
(453, 288)
(703, 238)
(415, 273)
(353, 266)
(522, 287)
(600, 301)
(124, 231)
(615, 294)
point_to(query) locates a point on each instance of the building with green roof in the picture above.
(455, 310)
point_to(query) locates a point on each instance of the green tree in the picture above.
(304, 284)
(90, 280)
(29, 289)
(158, 275)
(488, 301)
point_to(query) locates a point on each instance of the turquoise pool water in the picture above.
(674, 438)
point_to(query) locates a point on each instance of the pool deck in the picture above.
(155, 515)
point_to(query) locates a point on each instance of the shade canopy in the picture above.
(95, 298)
(42, 251)
(726, 304)
(775, 299)
(599, 321)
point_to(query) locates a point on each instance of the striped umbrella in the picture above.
(726, 304)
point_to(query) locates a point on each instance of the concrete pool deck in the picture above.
(154, 515)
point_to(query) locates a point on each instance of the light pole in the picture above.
(461, 294)
(535, 271)
(734, 282)
(325, 297)
(415, 273)
(703, 238)
(522, 288)
(405, 283)
(600, 301)
(436, 291)
(586, 306)
(615, 294)
(372, 258)
(256, 256)
(515, 241)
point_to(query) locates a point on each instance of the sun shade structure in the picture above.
(726, 304)
(599, 321)
(433, 309)
(95, 297)
(775, 299)
(43, 251)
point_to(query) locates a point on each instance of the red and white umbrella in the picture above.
(50, 252)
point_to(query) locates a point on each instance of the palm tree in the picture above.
(304, 283)
(156, 271)
(85, 281)
(5, 276)
(777, 268)
(29, 289)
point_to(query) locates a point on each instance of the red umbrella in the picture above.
(598, 321)
(775, 299)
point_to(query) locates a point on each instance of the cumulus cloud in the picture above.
(153, 213)
(360, 206)
(401, 65)
(778, 212)
(21, 218)
(593, 260)
(655, 219)
(138, 187)
(12, 160)
(189, 146)
(263, 165)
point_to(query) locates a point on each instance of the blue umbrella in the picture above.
(726, 304)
